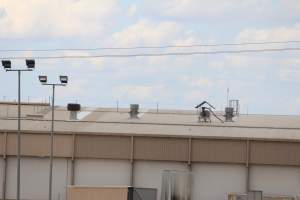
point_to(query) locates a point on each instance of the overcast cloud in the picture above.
(264, 82)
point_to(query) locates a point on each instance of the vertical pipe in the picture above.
(19, 136)
(247, 166)
(51, 144)
(190, 154)
(4, 167)
(73, 161)
(132, 162)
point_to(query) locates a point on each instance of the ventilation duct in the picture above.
(73, 108)
(229, 114)
(134, 110)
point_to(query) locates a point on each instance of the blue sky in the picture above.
(264, 82)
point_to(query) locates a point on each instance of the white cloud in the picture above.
(75, 89)
(289, 70)
(283, 33)
(55, 17)
(146, 32)
(195, 96)
(225, 10)
(141, 92)
(199, 82)
(132, 10)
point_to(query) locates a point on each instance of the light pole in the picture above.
(63, 82)
(7, 66)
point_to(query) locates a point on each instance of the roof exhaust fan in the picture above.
(232, 110)
(73, 108)
(134, 111)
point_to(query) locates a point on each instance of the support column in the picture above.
(247, 166)
(73, 160)
(132, 162)
(4, 166)
(190, 155)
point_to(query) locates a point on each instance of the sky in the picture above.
(264, 83)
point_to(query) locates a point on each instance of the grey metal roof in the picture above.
(150, 122)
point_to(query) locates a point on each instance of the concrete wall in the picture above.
(100, 172)
(215, 181)
(276, 180)
(35, 178)
(149, 173)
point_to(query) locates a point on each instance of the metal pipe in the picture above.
(4, 178)
(247, 166)
(132, 162)
(51, 144)
(19, 136)
(4, 167)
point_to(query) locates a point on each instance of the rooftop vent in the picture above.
(204, 115)
(134, 110)
(229, 114)
(232, 110)
(73, 108)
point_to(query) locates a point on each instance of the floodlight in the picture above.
(30, 64)
(6, 64)
(43, 79)
(63, 79)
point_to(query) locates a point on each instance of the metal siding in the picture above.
(117, 147)
(168, 149)
(100, 172)
(1, 175)
(275, 180)
(148, 174)
(2, 143)
(276, 153)
(215, 181)
(224, 151)
(38, 145)
(97, 193)
(35, 178)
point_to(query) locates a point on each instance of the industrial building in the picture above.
(115, 147)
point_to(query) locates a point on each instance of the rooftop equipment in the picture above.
(134, 111)
(204, 115)
(73, 108)
(232, 110)
(229, 114)
(235, 104)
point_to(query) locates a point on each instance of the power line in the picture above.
(154, 54)
(149, 47)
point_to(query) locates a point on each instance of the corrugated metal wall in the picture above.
(148, 173)
(215, 181)
(218, 166)
(100, 172)
(276, 180)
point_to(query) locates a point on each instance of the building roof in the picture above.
(183, 123)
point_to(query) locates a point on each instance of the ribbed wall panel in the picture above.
(168, 149)
(224, 151)
(117, 147)
(276, 153)
(39, 145)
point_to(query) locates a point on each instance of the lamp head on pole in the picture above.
(43, 79)
(30, 63)
(63, 79)
(6, 64)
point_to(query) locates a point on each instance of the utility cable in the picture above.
(152, 54)
(149, 47)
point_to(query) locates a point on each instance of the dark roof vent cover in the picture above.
(74, 107)
(134, 111)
